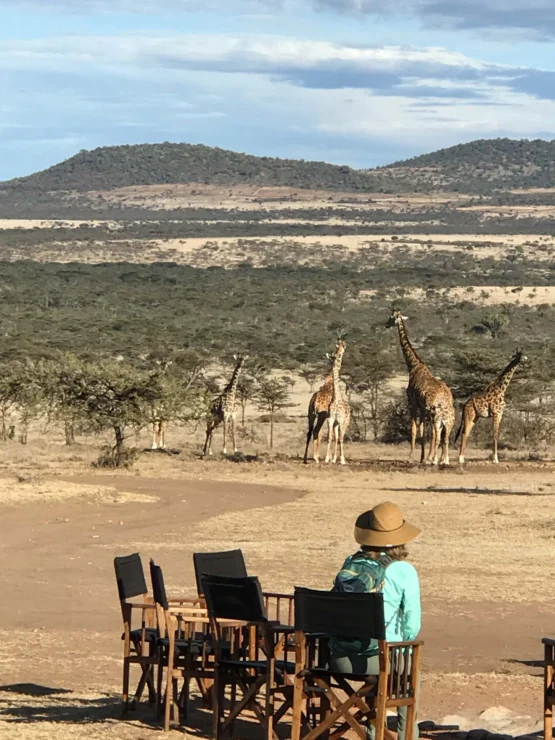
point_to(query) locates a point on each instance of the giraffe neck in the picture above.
(336, 390)
(231, 388)
(502, 382)
(411, 358)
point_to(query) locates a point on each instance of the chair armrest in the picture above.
(407, 643)
(191, 600)
(141, 606)
(548, 641)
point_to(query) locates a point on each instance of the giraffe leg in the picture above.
(163, 435)
(154, 437)
(232, 425)
(445, 442)
(434, 444)
(336, 433)
(317, 433)
(422, 430)
(496, 424)
(342, 460)
(311, 421)
(330, 436)
(413, 426)
(225, 437)
(208, 440)
(468, 421)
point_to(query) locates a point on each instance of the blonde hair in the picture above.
(399, 552)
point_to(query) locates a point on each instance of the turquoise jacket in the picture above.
(401, 596)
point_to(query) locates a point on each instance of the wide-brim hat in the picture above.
(384, 526)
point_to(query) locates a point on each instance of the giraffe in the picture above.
(428, 398)
(222, 409)
(489, 403)
(157, 412)
(339, 414)
(318, 412)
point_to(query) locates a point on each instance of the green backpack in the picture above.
(359, 574)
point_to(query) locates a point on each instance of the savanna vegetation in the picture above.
(82, 345)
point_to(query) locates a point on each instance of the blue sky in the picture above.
(358, 82)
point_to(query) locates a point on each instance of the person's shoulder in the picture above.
(401, 569)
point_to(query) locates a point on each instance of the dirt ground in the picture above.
(485, 558)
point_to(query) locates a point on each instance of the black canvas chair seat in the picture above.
(182, 646)
(281, 666)
(151, 633)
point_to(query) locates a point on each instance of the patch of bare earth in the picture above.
(483, 559)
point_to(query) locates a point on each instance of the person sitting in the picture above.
(380, 565)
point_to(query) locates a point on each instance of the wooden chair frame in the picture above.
(257, 669)
(139, 643)
(321, 689)
(548, 687)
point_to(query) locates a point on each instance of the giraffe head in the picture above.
(339, 350)
(395, 319)
(519, 356)
(241, 359)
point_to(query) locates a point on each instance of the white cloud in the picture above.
(269, 95)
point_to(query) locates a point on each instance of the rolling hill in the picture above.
(107, 168)
(481, 166)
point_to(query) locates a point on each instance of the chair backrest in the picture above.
(234, 598)
(230, 563)
(352, 615)
(158, 585)
(130, 576)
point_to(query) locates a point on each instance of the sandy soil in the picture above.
(484, 612)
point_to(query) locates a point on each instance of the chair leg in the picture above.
(217, 704)
(549, 677)
(159, 684)
(381, 710)
(125, 690)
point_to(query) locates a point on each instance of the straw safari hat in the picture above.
(384, 526)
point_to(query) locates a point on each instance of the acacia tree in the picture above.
(368, 370)
(274, 394)
(108, 396)
(247, 388)
(22, 388)
(178, 381)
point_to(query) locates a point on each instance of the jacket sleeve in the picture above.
(412, 613)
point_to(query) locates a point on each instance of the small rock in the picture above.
(498, 714)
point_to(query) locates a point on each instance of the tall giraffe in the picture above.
(339, 411)
(489, 403)
(318, 412)
(158, 414)
(222, 409)
(429, 399)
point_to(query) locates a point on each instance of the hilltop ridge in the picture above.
(480, 166)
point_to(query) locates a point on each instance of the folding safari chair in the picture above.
(227, 563)
(139, 644)
(342, 706)
(182, 648)
(251, 668)
(549, 687)
(231, 563)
